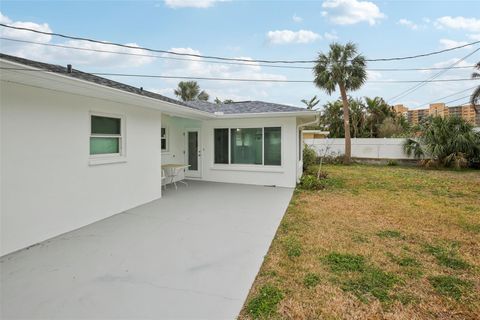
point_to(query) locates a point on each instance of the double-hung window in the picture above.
(106, 135)
(254, 146)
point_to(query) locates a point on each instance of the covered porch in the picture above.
(194, 253)
(181, 144)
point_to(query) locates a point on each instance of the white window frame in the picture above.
(97, 159)
(167, 142)
(248, 165)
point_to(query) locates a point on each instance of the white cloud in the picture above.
(101, 59)
(24, 35)
(289, 36)
(297, 19)
(191, 3)
(449, 62)
(448, 43)
(195, 67)
(330, 35)
(461, 23)
(62, 55)
(223, 89)
(452, 73)
(4, 19)
(346, 12)
(407, 23)
(373, 75)
(475, 37)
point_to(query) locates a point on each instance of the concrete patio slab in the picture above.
(191, 255)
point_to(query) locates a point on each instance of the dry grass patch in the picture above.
(377, 243)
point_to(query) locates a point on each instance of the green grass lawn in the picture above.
(379, 242)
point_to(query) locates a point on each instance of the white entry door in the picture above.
(193, 153)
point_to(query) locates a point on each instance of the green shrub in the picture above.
(311, 280)
(333, 158)
(264, 304)
(392, 163)
(445, 141)
(450, 286)
(310, 182)
(309, 157)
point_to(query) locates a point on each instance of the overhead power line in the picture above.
(421, 69)
(461, 103)
(215, 62)
(462, 98)
(448, 96)
(421, 84)
(225, 79)
(223, 58)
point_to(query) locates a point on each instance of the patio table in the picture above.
(173, 170)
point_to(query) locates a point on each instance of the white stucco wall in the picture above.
(371, 148)
(47, 184)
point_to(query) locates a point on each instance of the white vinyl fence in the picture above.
(368, 148)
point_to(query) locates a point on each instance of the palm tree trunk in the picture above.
(346, 125)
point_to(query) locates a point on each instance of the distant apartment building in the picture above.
(401, 109)
(415, 116)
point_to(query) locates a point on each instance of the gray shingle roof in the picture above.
(241, 107)
(89, 77)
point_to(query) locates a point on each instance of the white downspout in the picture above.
(314, 122)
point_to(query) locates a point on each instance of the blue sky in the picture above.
(291, 30)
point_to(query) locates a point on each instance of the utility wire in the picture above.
(222, 79)
(450, 95)
(216, 62)
(252, 63)
(464, 102)
(224, 58)
(457, 99)
(421, 84)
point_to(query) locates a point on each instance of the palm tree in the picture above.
(311, 103)
(357, 117)
(475, 98)
(377, 111)
(187, 90)
(203, 96)
(332, 119)
(190, 91)
(226, 101)
(449, 141)
(344, 68)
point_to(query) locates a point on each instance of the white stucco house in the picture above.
(77, 148)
